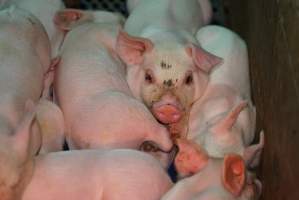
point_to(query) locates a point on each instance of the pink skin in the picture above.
(213, 179)
(44, 11)
(97, 175)
(24, 63)
(15, 152)
(224, 98)
(166, 68)
(90, 87)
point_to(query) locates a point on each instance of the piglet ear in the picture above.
(190, 158)
(66, 19)
(203, 59)
(233, 174)
(252, 154)
(22, 136)
(228, 122)
(132, 49)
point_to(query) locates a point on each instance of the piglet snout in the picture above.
(167, 114)
(167, 110)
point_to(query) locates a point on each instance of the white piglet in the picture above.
(223, 119)
(45, 11)
(99, 108)
(25, 62)
(166, 67)
(205, 5)
(212, 178)
(97, 175)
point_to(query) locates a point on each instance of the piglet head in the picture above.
(168, 76)
(16, 165)
(190, 158)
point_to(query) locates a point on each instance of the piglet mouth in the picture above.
(167, 113)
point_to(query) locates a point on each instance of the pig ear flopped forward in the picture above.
(233, 174)
(228, 122)
(68, 18)
(203, 59)
(21, 138)
(132, 49)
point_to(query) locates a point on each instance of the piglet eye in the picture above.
(148, 78)
(189, 79)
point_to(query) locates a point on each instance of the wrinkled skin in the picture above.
(97, 175)
(223, 120)
(208, 178)
(90, 87)
(166, 67)
(44, 11)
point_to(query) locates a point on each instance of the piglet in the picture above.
(25, 61)
(97, 175)
(212, 178)
(205, 5)
(166, 67)
(223, 119)
(99, 108)
(16, 146)
(44, 10)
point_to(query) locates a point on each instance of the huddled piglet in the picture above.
(90, 87)
(211, 178)
(97, 175)
(85, 174)
(44, 10)
(223, 119)
(166, 67)
(24, 64)
(205, 8)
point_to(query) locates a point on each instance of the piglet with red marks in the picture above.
(90, 86)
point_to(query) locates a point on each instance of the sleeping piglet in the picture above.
(205, 5)
(97, 175)
(211, 178)
(166, 67)
(223, 119)
(85, 174)
(90, 86)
